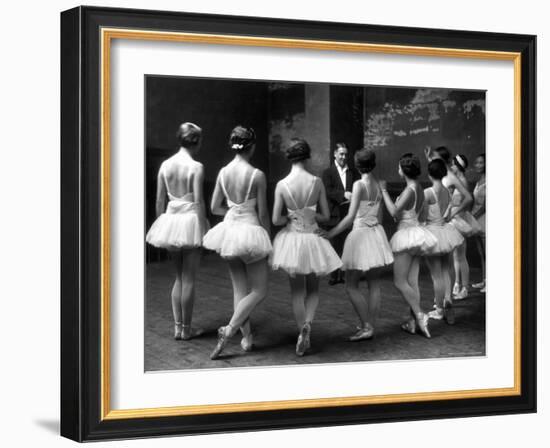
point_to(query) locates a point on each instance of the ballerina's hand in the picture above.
(428, 152)
(383, 184)
(322, 233)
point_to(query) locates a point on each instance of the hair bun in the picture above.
(242, 139)
(298, 150)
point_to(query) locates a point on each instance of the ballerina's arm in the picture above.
(261, 201)
(278, 219)
(216, 205)
(352, 211)
(198, 192)
(324, 216)
(160, 205)
(395, 208)
(467, 198)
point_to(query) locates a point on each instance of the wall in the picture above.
(398, 121)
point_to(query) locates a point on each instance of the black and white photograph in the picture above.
(290, 223)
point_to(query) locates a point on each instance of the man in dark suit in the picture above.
(338, 181)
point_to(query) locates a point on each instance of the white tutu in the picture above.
(233, 239)
(448, 238)
(303, 253)
(414, 239)
(466, 224)
(366, 248)
(178, 228)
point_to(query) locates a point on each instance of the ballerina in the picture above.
(366, 248)
(461, 199)
(448, 238)
(478, 211)
(409, 241)
(180, 224)
(465, 223)
(298, 249)
(242, 238)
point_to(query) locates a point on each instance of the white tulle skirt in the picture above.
(466, 224)
(414, 239)
(303, 253)
(366, 248)
(448, 238)
(175, 231)
(233, 239)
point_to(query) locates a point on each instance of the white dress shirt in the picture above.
(342, 173)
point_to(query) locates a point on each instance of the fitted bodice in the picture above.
(367, 212)
(302, 219)
(434, 216)
(245, 211)
(182, 204)
(408, 218)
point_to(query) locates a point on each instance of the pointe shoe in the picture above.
(366, 332)
(409, 326)
(303, 343)
(483, 290)
(462, 294)
(456, 289)
(222, 342)
(177, 331)
(422, 323)
(247, 342)
(479, 285)
(448, 312)
(436, 314)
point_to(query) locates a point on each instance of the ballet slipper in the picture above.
(422, 322)
(177, 331)
(223, 338)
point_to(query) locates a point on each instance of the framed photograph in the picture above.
(276, 224)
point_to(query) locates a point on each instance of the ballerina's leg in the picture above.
(298, 295)
(311, 300)
(237, 272)
(357, 299)
(177, 263)
(402, 267)
(257, 275)
(434, 264)
(374, 297)
(190, 264)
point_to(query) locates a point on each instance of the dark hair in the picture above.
(461, 162)
(298, 150)
(365, 160)
(444, 153)
(242, 139)
(481, 155)
(340, 145)
(189, 135)
(410, 165)
(437, 169)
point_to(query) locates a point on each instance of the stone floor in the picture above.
(275, 329)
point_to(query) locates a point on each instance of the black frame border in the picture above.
(81, 223)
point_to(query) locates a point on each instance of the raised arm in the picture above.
(216, 204)
(348, 219)
(160, 204)
(395, 208)
(261, 201)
